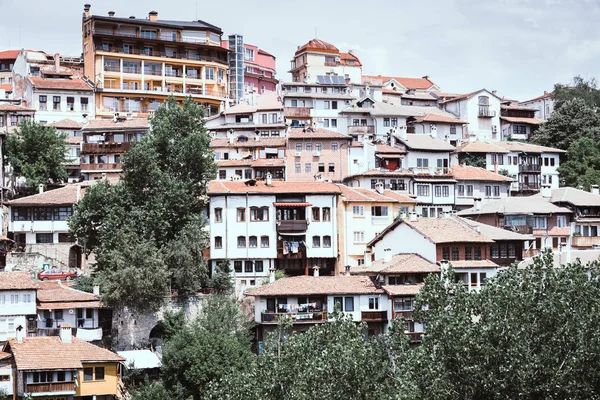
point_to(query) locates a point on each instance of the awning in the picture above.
(277, 204)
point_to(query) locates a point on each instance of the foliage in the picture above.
(583, 165)
(222, 281)
(586, 90)
(147, 230)
(85, 283)
(279, 273)
(37, 153)
(474, 160)
(151, 391)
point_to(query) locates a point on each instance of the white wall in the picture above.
(6, 386)
(327, 228)
(404, 239)
(50, 115)
(410, 159)
(479, 192)
(69, 317)
(468, 109)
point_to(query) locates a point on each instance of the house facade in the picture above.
(478, 184)
(518, 122)
(544, 105)
(17, 302)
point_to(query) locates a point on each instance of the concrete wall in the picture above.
(36, 255)
(405, 239)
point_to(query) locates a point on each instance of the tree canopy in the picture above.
(37, 153)
(147, 230)
(581, 88)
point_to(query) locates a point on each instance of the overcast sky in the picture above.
(518, 47)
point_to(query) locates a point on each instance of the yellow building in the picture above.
(136, 63)
(63, 368)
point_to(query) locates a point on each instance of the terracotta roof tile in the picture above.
(480, 147)
(528, 147)
(68, 305)
(400, 264)
(402, 290)
(17, 281)
(46, 353)
(517, 107)
(109, 124)
(64, 196)
(554, 231)
(447, 230)
(230, 187)
(387, 149)
(384, 172)
(67, 124)
(364, 195)
(301, 133)
(462, 264)
(402, 198)
(520, 120)
(63, 84)
(250, 143)
(4, 356)
(6, 87)
(14, 107)
(439, 118)
(317, 45)
(469, 173)
(9, 54)
(409, 83)
(350, 59)
(55, 291)
(544, 96)
(312, 285)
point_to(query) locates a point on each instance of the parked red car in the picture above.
(55, 274)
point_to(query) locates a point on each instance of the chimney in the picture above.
(57, 62)
(379, 187)
(271, 274)
(546, 191)
(412, 216)
(316, 271)
(403, 133)
(41, 188)
(269, 179)
(387, 255)
(545, 92)
(96, 290)
(153, 16)
(20, 334)
(368, 258)
(426, 77)
(477, 203)
(86, 10)
(595, 189)
(347, 270)
(66, 333)
(494, 92)
(111, 14)
(433, 131)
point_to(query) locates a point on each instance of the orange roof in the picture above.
(469, 173)
(387, 149)
(474, 264)
(447, 230)
(480, 147)
(56, 291)
(64, 196)
(7, 88)
(62, 84)
(17, 281)
(350, 59)
(110, 124)
(409, 83)
(520, 120)
(67, 124)
(47, 353)
(544, 96)
(317, 45)
(302, 133)
(9, 54)
(400, 264)
(14, 107)
(4, 356)
(555, 231)
(439, 118)
(402, 290)
(277, 187)
(364, 195)
(61, 305)
(402, 198)
(251, 142)
(316, 285)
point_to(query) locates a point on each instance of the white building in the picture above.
(478, 184)
(17, 303)
(258, 226)
(74, 140)
(544, 105)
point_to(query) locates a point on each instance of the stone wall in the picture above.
(36, 255)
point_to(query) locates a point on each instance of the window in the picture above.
(241, 214)
(445, 253)
(99, 372)
(316, 214)
(326, 123)
(422, 190)
(237, 266)
(258, 266)
(297, 168)
(500, 159)
(43, 103)
(218, 214)
(348, 304)
(468, 253)
(422, 163)
(334, 105)
(248, 54)
(252, 242)
(21, 214)
(455, 254)
(331, 167)
(326, 214)
(327, 241)
(248, 266)
(14, 298)
(56, 103)
(561, 221)
(321, 167)
(453, 129)
(403, 304)
(307, 168)
(309, 146)
(62, 213)
(478, 253)
(359, 236)
(494, 251)
(519, 130)
(333, 124)
(241, 241)
(373, 303)
(445, 191)
(259, 214)
(488, 191)
(386, 122)
(540, 223)
(438, 191)
(512, 251)
(88, 374)
(473, 278)
(70, 103)
(222, 174)
(358, 211)
(58, 315)
(44, 238)
(394, 121)
(316, 241)
(379, 211)
(482, 278)
(337, 303)
(264, 241)
(218, 242)
(496, 191)
(327, 105)
(552, 162)
(209, 73)
(298, 146)
(461, 190)
(469, 190)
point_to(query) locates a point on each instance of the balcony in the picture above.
(115, 167)
(305, 317)
(374, 316)
(415, 337)
(585, 241)
(406, 314)
(523, 230)
(134, 51)
(485, 112)
(361, 130)
(530, 168)
(296, 112)
(533, 186)
(51, 387)
(103, 148)
(162, 37)
(292, 225)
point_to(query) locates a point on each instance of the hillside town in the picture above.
(328, 192)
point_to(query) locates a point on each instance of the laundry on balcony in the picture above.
(292, 247)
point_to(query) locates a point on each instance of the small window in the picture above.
(307, 168)
(237, 266)
(327, 241)
(331, 167)
(218, 215)
(252, 242)
(316, 241)
(326, 214)
(455, 254)
(44, 238)
(88, 374)
(248, 266)
(99, 372)
(358, 211)
(241, 241)
(58, 315)
(241, 214)
(321, 167)
(258, 266)
(218, 242)
(445, 253)
(264, 241)
(349, 304)
(373, 303)
(316, 214)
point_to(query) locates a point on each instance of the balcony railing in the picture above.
(50, 387)
(523, 230)
(103, 167)
(184, 56)
(530, 167)
(311, 317)
(485, 112)
(364, 129)
(374, 316)
(296, 112)
(102, 148)
(292, 225)
(163, 36)
(530, 186)
(586, 241)
(406, 314)
(415, 337)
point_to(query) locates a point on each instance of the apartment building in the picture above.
(317, 154)
(398, 181)
(17, 301)
(11, 116)
(105, 143)
(7, 62)
(478, 184)
(73, 152)
(518, 122)
(403, 90)
(135, 63)
(544, 105)
(259, 226)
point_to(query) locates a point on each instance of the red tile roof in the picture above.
(47, 353)
(447, 230)
(544, 96)
(402, 198)
(56, 291)
(439, 118)
(409, 83)
(110, 124)
(350, 59)
(469, 173)
(402, 290)
(400, 264)
(521, 120)
(4, 356)
(17, 281)
(301, 133)
(316, 285)
(67, 124)
(64, 196)
(387, 149)
(9, 54)
(462, 264)
(250, 143)
(317, 45)
(480, 147)
(7, 87)
(277, 187)
(14, 107)
(62, 84)
(364, 195)
(62, 305)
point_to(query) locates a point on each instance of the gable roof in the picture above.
(64, 196)
(9, 54)
(56, 295)
(47, 353)
(67, 124)
(14, 107)
(517, 206)
(364, 195)
(316, 285)
(544, 96)
(576, 197)
(265, 101)
(425, 142)
(320, 133)
(277, 187)
(12, 280)
(400, 264)
(469, 95)
(439, 119)
(505, 147)
(469, 173)
(72, 83)
(409, 83)
(387, 149)
(523, 120)
(480, 147)
(350, 60)
(495, 233)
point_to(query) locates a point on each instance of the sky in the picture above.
(518, 47)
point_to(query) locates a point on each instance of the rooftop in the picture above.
(17, 281)
(251, 142)
(402, 290)
(264, 102)
(72, 83)
(387, 149)
(277, 187)
(350, 194)
(409, 83)
(313, 285)
(521, 120)
(120, 124)
(469, 264)
(56, 295)
(493, 232)
(439, 118)
(505, 147)
(302, 133)
(64, 196)
(317, 45)
(67, 124)
(546, 95)
(199, 24)
(469, 173)
(517, 205)
(14, 107)
(400, 264)
(425, 142)
(576, 197)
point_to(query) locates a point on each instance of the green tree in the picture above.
(472, 159)
(147, 230)
(222, 281)
(37, 153)
(152, 391)
(85, 283)
(581, 88)
(582, 167)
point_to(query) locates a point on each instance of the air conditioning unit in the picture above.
(298, 153)
(316, 153)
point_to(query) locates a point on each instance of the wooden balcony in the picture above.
(51, 387)
(292, 225)
(585, 241)
(114, 167)
(523, 230)
(361, 130)
(296, 112)
(374, 316)
(304, 317)
(407, 315)
(530, 167)
(415, 337)
(105, 148)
